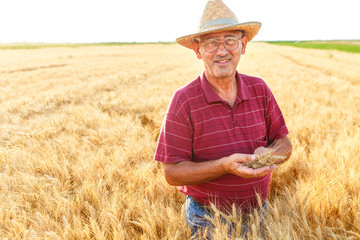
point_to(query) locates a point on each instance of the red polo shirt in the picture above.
(200, 126)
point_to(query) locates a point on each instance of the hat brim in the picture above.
(249, 28)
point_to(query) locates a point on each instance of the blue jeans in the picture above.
(195, 217)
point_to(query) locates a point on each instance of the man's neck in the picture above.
(226, 88)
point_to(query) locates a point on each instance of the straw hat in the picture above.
(217, 17)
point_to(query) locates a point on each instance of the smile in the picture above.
(223, 61)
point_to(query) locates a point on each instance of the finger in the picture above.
(238, 157)
(261, 151)
(267, 169)
(246, 172)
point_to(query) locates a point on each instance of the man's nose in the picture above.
(222, 48)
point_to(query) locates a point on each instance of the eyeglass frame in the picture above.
(197, 40)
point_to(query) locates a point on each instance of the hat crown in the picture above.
(218, 17)
(216, 14)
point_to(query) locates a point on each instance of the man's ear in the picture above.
(198, 55)
(244, 42)
(196, 49)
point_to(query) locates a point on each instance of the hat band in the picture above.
(218, 21)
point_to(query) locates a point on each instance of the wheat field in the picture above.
(78, 130)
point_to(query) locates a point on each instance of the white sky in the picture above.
(164, 20)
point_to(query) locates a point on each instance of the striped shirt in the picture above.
(200, 126)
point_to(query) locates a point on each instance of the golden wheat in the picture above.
(79, 126)
(264, 160)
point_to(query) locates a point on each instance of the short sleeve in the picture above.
(275, 122)
(175, 139)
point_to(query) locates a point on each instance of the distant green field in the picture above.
(47, 45)
(72, 45)
(346, 46)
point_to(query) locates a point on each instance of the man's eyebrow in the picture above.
(232, 35)
(229, 35)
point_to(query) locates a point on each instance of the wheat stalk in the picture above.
(263, 161)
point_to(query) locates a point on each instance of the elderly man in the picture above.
(219, 121)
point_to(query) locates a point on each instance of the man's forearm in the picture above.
(191, 173)
(281, 147)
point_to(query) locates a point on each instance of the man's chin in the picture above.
(226, 74)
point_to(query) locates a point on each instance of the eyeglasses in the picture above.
(230, 43)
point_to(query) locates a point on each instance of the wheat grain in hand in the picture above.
(264, 161)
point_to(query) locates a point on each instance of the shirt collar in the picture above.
(212, 96)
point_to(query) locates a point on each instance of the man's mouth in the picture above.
(223, 61)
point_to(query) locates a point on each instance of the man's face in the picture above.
(222, 62)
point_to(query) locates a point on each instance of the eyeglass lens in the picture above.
(230, 43)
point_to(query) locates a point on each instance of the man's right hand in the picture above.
(234, 164)
(191, 173)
